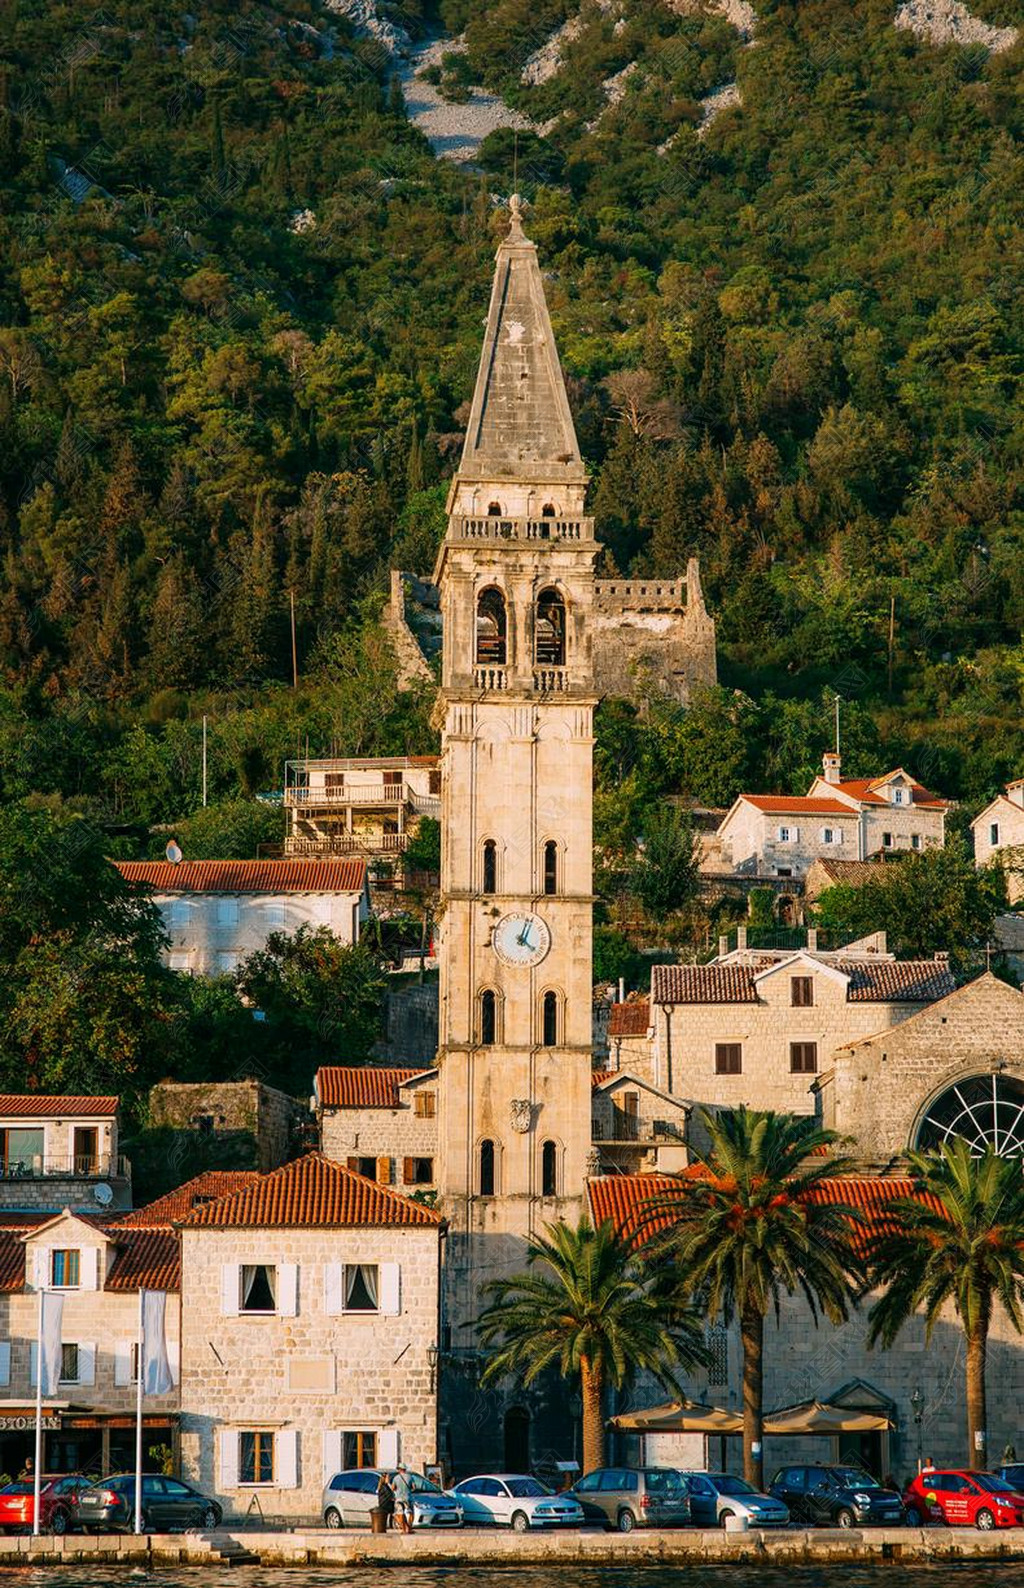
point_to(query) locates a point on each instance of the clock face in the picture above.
(521, 939)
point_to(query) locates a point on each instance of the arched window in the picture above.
(550, 1019)
(549, 630)
(550, 867)
(490, 879)
(491, 628)
(548, 510)
(494, 510)
(488, 1018)
(487, 1168)
(549, 1170)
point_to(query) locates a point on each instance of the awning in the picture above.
(679, 1417)
(819, 1417)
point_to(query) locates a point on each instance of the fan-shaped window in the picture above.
(490, 868)
(488, 1018)
(487, 1175)
(549, 634)
(550, 867)
(491, 628)
(987, 1111)
(549, 1019)
(548, 510)
(494, 510)
(549, 1169)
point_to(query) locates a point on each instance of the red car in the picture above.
(58, 1504)
(961, 1498)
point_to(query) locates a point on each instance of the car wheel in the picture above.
(147, 1522)
(209, 1516)
(913, 1517)
(332, 1518)
(59, 1523)
(985, 1520)
(845, 1518)
(724, 1518)
(627, 1521)
(520, 1522)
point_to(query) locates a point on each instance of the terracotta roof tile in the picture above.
(877, 981)
(852, 872)
(12, 1261)
(703, 984)
(146, 1260)
(799, 805)
(354, 1086)
(630, 1019)
(166, 1211)
(247, 876)
(866, 790)
(36, 1105)
(312, 1193)
(598, 1077)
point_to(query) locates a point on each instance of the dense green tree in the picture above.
(666, 872)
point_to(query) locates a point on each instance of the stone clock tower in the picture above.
(516, 574)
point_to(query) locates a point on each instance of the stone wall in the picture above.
(412, 1010)
(254, 1114)
(210, 938)
(387, 1135)
(652, 632)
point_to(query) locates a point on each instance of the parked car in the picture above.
(349, 1497)
(1013, 1474)
(58, 1503)
(715, 1496)
(836, 1497)
(628, 1497)
(510, 1499)
(166, 1503)
(962, 1498)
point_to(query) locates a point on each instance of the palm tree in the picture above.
(959, 1239)
(597, 1310)
(748, 1230)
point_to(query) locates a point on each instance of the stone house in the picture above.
(245, 1122)
(367, 807)
(60, 1152)
(381, 1123)
(635, 1127)
(217, 912)
(311, 1323)
(998, 830)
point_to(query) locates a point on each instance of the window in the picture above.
(434, 783)
(69, 1362)
(915, 840)
(548, 510)
(897, 796)
(494, 510)
(255, 1456)
(549, 1170)
(887, 840)
(226, 963)
(425, 1105)
(418, 1171)
(626, 1119)
(274, 917)
(716, 1340)
(362, 1288)
(359, 1449)
(21, 1150)
(86, 1143)
(227, 912)
(488, 1018)
(490, 881)
(801, 992)
(993, 834)
(803, 1058)
(784, 833)
(549, 630)
(178, 913)
(550, 1019)
(831, 835)
(393, 779)
(491, 628)
(487, 1176)
(64, 1270)
(550, 867)
(728, 1058)
(258, 1288)
(365, 1166)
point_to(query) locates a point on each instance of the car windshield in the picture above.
(420, 1485)
(525, 1488)
(993, 1484)
(854, 1478)
(667, 1482)
(725, 1483)
(19, 1488)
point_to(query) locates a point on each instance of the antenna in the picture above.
(837, 723)
(515, 160)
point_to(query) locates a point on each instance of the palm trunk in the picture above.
(977, 1416)
(593, 1418)
(752, 1342)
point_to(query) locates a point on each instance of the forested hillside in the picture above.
(240, 310)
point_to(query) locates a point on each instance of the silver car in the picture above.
(628, 1497)
(511, 1499)
(349, 1497)
(715, 1496)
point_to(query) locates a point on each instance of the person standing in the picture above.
(403, 1500)
(386, 1500)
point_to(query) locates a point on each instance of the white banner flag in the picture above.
(156, 1370)
(51, 1311)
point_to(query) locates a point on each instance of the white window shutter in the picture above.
(87, 1362)
(390, 1289)
(123, 1362)
(33, 1363)
(5, 1361)
(229, 1282)
(286, 1458)
(794, 833)
(174, 1359)
(229, 1458)
(332, 1453)
(387, 1447)
(89, 1268)
(41, 1269)
(334, 1301)
(287, 1289)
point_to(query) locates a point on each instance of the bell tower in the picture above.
(516, 574)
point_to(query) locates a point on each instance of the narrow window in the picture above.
(64, 1270)
(490, 866)
(803, 1058)
(358, 1449)
(364, 1166)
(549, 630)
(728, 1058)
(993, 834)
(488, 1018)
(887, 840)
(716, 1341)
(69, 1363)
(258, 1288)
(491, 628)
(915, 840)
(897, 796)
(801, 992)
(549, 1170)
(550, 867)
(434, 783)
(425, 1105)
(627, 1118)
(256, 1456)
(487, 1168)
(783, 835)
(550, 1019)
(418, 1171)
(361, 1287)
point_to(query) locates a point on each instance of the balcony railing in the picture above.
(353, 794)
(631, 1130)
(349, 844)
(550, 680)
(491, 678)
(522, 528)
(68, 1166)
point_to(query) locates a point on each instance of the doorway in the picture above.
(517, 1440)
(867, 1450)
(87, 1149)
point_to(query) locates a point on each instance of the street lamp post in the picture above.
(917, 1408)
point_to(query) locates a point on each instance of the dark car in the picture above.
(836, 1497)
(58, 1503)
(1011, 1472)
(166, 1503)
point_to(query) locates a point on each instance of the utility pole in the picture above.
(295, 654)
(204, 759)
(892, 637)
(837, 724)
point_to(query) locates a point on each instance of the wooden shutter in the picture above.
(334, 1296)
(390, 1289)
(230, 1279)
(332, 1453)
(5, 1361)
(408, 1171)
(286, 1458)
(353, 1163)
(287, 1290)
(387, 1447)
(87, 1362)
(384, 1171)
(229, 1458)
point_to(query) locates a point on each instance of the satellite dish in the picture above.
(173, 853)
(103, 1194)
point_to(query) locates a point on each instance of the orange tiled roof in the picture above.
(247, 876)
(146, 1260)
(799, 805)
(865, 789)
(312, 1193)
(12, 1261)
(630, 1019)
(598, 1077)
(355, 1086)
(36, 1105)
(167, 1210)
(875, 981)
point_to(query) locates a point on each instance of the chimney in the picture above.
(831, 764)
(1015, 792)
(741, 937)
(812, 940)
(723, 946)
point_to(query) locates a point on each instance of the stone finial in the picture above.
(515, 219)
